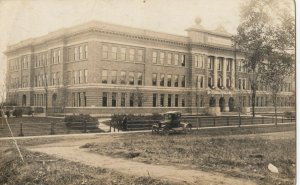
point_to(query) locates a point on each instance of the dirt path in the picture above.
(171, 173)
(69, 149)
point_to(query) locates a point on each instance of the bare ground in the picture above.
(170, 173)
(70, 150)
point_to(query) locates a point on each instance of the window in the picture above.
(114, 53)
(123, 53)
(85, 76)
(140, 79)
(183, 60)
(46, 79)
(80, 52)
(197, 59)
(161, 58)
(131, 78)
(131, 54)
(169, 100)
(169, 83)
(53, 78)
(154, 100)
(210, 62)
(104, 76)
(176, 77)
(200, 80)
(154, 79)
(220, 82)
(239, 66)
(240, 84)
(154, 57)
(131, 99)
(228, 66)
(75, 77)
(162, 79)
(140, 100)
(104, 51)
(123, 77)
(162, 100)
(46, 59)
(183, 81)
(183, 101)
(123, 99)
(86, 54)
(104, 99)
(176, 100)
(244, 83)
(220, 64)
(228, 82)
(176, 59)
(53, 57)
(210, 82)
(81, 76)
(140, 55)
(114, 99)
(75, 53)
(58, 78)
(113, 77)
(169, 58)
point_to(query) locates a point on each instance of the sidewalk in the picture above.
(103, 126)
(138, 131)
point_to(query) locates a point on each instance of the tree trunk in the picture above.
(46, 104)
(275, 105)
(253, 99)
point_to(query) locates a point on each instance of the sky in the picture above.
(23, 19)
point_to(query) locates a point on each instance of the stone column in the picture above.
(224, 72)
(232, 74)
(226, 107)
(215, 72)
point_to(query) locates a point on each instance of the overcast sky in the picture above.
(22, 19)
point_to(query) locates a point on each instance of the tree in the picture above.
(280, 58)
(256, 38)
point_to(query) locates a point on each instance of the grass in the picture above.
(32, 126)
(42, 169)
(240, 156)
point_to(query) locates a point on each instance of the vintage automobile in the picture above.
(171, 123)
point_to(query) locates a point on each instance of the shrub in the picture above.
(80, 118)
(76, 121)
(27, 110)
(289, 114)
(38, 110)
(7, 113)
(157, 116)
(17, 113)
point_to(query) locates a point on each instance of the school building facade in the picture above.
(102, 68)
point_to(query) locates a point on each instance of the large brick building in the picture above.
(104, 68)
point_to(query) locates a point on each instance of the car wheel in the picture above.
(154, 130)
(188, 128)
(166, 131)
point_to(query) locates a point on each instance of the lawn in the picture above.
(236, 152)
(245, 156)
(33, 126)
(43, 169)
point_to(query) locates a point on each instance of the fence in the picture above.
(198, 122)
(33, 129)
(53, 128)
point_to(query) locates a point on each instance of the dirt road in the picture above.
(170, 173)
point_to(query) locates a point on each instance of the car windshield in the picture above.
(168, 117)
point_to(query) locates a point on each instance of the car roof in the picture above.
(173, 112)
